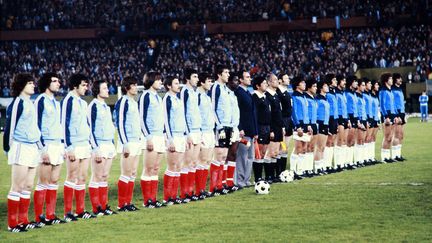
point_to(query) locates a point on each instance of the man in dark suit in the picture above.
(248, 131)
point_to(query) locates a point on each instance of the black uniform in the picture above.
(263, 113)
(285, 99)
(276, 123)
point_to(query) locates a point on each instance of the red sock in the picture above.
(51, 201)
(24, 204)
(184, 183)
(38, 200)
(204, 178)
(146, 188)
(94, 195)
(191, 181)
(154, 187)
(122, 186)
(131, 185)
(230, 173)
(68, 192)
(103, 194)
(214, 175)
(13, 208)
(168, 184)
(198, 180)
(79, 198)
(224, 174)
(176, 182)
(220, 176)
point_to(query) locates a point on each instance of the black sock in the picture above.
(269, 170)
(283, 163)
(257, 169)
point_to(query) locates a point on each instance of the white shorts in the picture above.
(134, 148)
(208, 140)
(235, 135)
(82, 151)
(107, 150)
(55, 153)
(23, 154)
(305, 138)
(196, 137)
(158, 144)
(179, 144)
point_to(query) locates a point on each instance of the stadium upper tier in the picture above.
(298, 52)
(143, 14)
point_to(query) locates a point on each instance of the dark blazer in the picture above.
(248, 120)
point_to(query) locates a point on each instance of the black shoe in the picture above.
(99, 211)
(17, 229)
(125, 208)
(33, 225)
(277, 180)
(186, 199)
(169, 202)
(86, 215)
(399, 159)
(158, 204)
(402, 158)
(297, 176)
(389, 160)
(108, 211)
(224, 191)
(69, 217)
(132, 208)
(233, 189)
(194, 198)
(178, 201)
(149, 204)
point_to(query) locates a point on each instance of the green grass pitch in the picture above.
(381, 203)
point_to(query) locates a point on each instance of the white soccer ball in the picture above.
(262, 187)
(286, 176)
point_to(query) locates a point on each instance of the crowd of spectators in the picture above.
(144, 14)
(299, 52)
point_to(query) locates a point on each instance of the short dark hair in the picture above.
(328, 78)
(310, 82)
(45, 81)
(241, 72)
(96, 87)
(19, 82)
(257, 82)
(366, 80)
(374, 82)
(75, 80)
(396, 76)
(220, 68)
(202, 77)
(296, 81)
(280, 76)
(150, 78)
(339, 78)
(126, 83)
(320, 86)
(384, 78)
(188, 73)
(350, 80)
(168, 81)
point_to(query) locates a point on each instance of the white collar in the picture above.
(259, 94)
(282, 88)
(271, 92)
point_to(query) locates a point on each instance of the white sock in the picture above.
(329, 162)
(311, 161)
(336, 155)
(301, 161)
(326, 156)
(293, 162)
(356, 152)
(349, 157)
(385, 154)
(344, 155)
(368, 151)
(399, 150)
(373, 155)
(394, 151)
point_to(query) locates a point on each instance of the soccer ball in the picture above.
(262, 187)
(286, 176)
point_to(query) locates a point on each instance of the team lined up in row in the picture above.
(204, 128)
